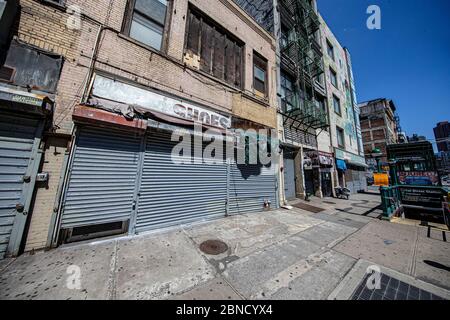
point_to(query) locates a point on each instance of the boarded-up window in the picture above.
(220, 52)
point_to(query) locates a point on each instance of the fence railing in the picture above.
(394, 198)
(390, 201)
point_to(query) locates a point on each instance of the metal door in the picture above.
(309, 181)
(172, 193)
(289, 178)
(19, 163)
(102, 178)
(326, 184)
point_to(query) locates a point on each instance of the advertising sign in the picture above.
(418, 178)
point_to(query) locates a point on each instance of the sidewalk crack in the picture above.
(113, 273)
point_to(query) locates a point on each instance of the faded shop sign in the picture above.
(121, 92)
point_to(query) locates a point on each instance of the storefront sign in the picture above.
(350, 157)
(27, 100)
(121, 92)
(307, 163)
(418, 178)
(320, 159)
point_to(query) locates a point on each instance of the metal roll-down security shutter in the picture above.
(173, 193)
(19, 162)
(250, 186)
(102, 179)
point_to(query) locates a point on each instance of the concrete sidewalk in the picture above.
(281, 254)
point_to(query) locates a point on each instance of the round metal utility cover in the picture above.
(213, 247)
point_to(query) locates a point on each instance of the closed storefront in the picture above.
(101, 186)
(22, 120)
(352, 171)
(355, 178)
(19, 162)
(172, 193)
(135, 179)
(251, 188)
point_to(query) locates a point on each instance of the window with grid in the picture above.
(259, 74)
(288, 101)
(146, 21)
(330, 50)
(333, 78)
(340, 137)
(337, 105)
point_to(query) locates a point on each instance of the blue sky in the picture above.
(408, 60)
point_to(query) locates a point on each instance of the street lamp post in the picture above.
(376, 154)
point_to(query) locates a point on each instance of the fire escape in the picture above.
(301, 55)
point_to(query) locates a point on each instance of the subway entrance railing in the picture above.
(428, 199)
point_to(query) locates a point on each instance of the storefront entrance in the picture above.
(326, 182)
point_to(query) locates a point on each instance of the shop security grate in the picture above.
(392, 289)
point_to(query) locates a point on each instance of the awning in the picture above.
(340, 165)
(357, 164)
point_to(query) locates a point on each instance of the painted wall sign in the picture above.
(121, 92)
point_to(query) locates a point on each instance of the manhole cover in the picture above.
(213, 247)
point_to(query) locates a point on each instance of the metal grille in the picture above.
(102, 177)
(250, 186)
(17, 138)
(172, 193)
(391, 289)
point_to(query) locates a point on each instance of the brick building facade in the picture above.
(95, 40)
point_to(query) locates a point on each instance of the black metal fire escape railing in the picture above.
(301, 54)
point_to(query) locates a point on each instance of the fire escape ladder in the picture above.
(303, 57)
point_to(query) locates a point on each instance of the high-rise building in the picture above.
(442, 136)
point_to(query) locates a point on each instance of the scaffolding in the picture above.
(301, 55)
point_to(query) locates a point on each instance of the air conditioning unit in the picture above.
(8, 10)
(192, 60)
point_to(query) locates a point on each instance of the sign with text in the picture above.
(125, 93)
(418, 178)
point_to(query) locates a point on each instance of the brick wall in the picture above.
(374, 123)
(366, 136)
(53, 159)
(45, 26)
(378, 134)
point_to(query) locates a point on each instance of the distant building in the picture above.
(416, 138)
(380, 126)
(442, 135)
(402, 138)
(443, 162)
